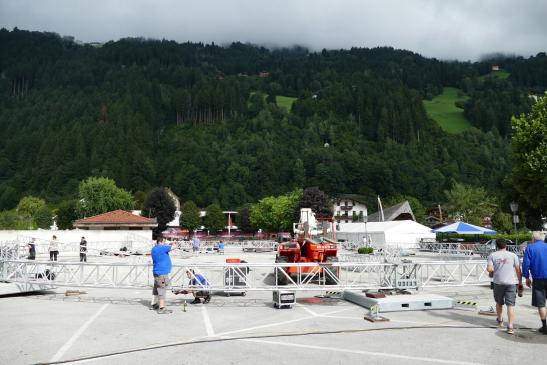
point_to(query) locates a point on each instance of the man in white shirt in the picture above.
(504, 267)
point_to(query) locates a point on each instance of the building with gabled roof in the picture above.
(398, 212)
(116, 220)
(349, 208)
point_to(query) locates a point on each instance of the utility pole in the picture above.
(365, 218)
(514, 209)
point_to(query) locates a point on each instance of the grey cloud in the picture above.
(443, 29)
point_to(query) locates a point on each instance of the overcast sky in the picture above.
(447, 29)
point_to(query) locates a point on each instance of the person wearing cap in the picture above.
(504, 267)
(161, 270)
(534, 269)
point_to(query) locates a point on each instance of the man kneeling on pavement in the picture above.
(198, 287)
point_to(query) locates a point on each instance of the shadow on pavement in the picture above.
(469, 317)
(523, 336)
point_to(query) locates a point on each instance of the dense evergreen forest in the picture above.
(202, 119)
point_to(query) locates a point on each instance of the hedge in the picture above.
(365, 250)
(521, 237)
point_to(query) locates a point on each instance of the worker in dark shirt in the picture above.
(83, 250)
(32, 249)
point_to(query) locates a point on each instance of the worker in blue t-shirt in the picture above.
(161, 270)
(221, 248)
(199, 282)
(534, 269)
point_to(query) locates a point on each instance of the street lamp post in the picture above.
(514, 209)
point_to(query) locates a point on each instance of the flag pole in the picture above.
(381, 209)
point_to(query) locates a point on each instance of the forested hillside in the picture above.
(202, 119)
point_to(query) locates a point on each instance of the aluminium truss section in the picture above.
(222, 277)
(452, 273)
(253, 276)
(9, 251)
(42, 246)
(458, 248)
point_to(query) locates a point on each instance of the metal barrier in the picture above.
(253, 276)
(249, 245)
(388, 254)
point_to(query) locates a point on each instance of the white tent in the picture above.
(404, 234)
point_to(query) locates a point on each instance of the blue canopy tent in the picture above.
(463, 228)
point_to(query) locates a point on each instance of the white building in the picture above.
(349, 209)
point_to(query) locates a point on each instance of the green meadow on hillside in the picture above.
(496, 74)
(443, 110)
(285, 102)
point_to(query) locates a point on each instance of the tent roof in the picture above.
(371, 227)
(464, 228)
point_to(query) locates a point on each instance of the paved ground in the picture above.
(49, 327)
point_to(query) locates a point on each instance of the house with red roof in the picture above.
(116, 220)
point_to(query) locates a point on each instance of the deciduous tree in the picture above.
(67, 213)
(318, 201)
(214, 219)
(529, 145)
(469, 203)
(43, 217)
(159, 204)
(274, 214)
(29, 205)
(189, 216)
(243, 220)
(100, 195)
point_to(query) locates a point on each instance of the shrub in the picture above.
(365, 250)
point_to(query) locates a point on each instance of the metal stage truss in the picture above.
(252, 276)
(455, 248)
(113, 247)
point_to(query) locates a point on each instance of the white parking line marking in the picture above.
(359, 352)
(210, 331)
(307, 310)
(343, 317)
(77, 334)
(278, 323)
(207, 321)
